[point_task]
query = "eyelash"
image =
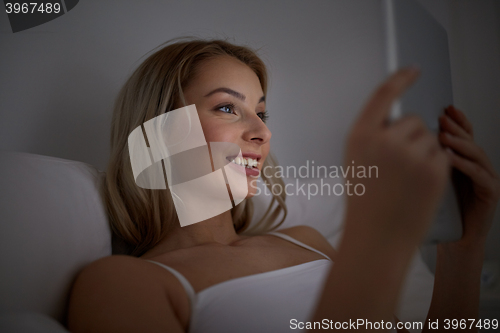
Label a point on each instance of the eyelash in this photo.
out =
(231, 106)
(265, 116)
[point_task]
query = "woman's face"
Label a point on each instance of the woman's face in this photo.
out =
(231, 107)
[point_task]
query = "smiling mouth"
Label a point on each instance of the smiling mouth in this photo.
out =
(247, 162)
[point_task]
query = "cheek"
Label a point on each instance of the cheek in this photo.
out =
(216, 132)
(265, 150)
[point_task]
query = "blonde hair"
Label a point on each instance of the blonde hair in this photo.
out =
(139, 217)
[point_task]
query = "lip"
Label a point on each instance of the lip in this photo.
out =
(249, 155)
(252, 155)
(254, 172)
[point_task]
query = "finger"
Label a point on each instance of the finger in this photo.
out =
(467, 149)
(460, 118)
(473, 170)
(426, 145)
(449, 125)
(427, 148)
(377, 109)
(409, 127)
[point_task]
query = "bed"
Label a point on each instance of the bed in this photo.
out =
(53, 224)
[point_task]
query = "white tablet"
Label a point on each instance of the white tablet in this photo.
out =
(414, 37)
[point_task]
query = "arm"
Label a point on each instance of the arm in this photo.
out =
(456, 286)
(116, 294)
(458, 269)
(383, 227)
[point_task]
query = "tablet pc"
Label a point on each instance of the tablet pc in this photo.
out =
(414, 37)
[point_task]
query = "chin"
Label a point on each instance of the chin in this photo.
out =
(252, 187)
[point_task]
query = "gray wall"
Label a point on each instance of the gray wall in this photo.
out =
(58, 80)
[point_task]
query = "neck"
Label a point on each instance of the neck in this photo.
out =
(216, 230)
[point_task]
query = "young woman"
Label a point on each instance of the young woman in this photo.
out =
(219, 275)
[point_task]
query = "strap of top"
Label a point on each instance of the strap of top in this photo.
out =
(293, 240)
(185, 283)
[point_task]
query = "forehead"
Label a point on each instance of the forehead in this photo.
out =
(225, 71)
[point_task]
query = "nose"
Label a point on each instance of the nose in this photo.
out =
(256, 130)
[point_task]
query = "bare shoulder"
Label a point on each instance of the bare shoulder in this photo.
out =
(312, 237)
(120, 294)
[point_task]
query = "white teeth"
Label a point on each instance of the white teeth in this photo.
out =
(246, 162)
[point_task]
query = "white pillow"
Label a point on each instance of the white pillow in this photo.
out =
(52, 224)
(323, 212)
(29, 322)
(416, 293)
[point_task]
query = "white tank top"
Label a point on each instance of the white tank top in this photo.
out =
(275, 301)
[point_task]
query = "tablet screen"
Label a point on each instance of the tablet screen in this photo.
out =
(414, 37)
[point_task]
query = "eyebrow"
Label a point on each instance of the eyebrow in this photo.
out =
(232, 93)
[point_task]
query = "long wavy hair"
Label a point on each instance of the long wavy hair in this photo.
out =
(139, 217)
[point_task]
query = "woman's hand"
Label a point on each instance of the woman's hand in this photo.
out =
(458, 268)
(384, 225)
(475, 179)
(399, 205)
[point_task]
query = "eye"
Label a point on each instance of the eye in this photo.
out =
(263, 116)
(227, 108)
